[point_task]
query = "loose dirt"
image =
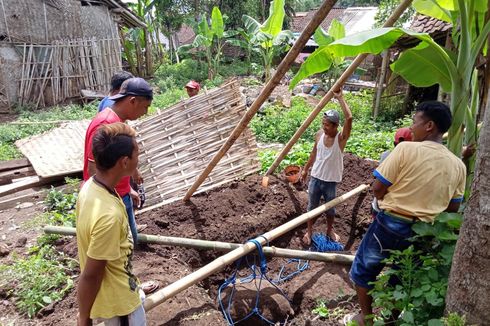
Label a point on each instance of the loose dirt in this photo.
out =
(237, 212)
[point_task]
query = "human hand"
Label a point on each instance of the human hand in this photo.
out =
(136, 198)
(468, 151)
(83, 320)
(137, 177)
(338, 94)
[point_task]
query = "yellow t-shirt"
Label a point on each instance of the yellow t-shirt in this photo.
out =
(423, 178)
(103, 234)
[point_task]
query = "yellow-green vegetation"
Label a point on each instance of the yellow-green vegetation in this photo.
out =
(44, 275)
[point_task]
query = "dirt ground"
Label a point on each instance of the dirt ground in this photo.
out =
(233, 213)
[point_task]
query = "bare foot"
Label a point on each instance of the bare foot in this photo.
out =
(334, 236)
(306, 239)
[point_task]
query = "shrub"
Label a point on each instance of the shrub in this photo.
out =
(422, 271)
(168, 77)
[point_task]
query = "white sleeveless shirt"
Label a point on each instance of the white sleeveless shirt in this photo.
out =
(329, 163)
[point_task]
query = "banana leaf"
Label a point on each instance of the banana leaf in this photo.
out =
(273, 24)
(217, 25)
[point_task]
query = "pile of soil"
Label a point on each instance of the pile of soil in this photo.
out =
(235, 213)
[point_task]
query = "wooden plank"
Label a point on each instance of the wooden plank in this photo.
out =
(14, 164)
(31, 196)
(27, 183)
(7, 176)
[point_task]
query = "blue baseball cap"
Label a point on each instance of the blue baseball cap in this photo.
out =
(134, 86)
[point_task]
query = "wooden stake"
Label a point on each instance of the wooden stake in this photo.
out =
(338, 84)
(221, 246)
(266, 91)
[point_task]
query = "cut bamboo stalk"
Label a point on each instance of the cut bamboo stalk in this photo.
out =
(219, 263)
(338, 84)
(221, 246)
(266, 91)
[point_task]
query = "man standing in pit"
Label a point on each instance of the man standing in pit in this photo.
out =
(327, 160)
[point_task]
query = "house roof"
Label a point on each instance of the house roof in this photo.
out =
(431, 25)
(129, 19)
(185, 35)
(355, 19)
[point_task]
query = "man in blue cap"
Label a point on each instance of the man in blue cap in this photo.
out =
(132, 102)
(327, 160)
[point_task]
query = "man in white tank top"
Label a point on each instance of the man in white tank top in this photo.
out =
(327, 160)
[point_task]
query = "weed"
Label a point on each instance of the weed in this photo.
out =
(324, 312)
(38, 280)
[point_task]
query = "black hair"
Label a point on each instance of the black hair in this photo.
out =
(437, 112)
(110, 143)
(118, 78)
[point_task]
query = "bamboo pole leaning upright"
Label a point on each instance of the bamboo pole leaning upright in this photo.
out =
(220, 262)
(266, 91)
(342, 79)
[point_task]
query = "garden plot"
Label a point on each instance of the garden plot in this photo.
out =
(236, 212)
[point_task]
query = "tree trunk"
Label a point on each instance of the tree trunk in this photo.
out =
(469, 280)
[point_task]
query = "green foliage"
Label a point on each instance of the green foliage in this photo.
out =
(423, 274)
(386, 8)
(324, 312)
(10, 133)
(37, 280)
(278, 124)
(453, 319)
(298, 155)
(61, 204)
(167, 99)
(177, 75)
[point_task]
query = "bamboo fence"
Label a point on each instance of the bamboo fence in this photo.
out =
(177, 142)
(57, 72)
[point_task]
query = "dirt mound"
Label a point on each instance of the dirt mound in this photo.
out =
(235, 213)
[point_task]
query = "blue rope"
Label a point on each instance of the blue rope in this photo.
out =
(257, 272)
(322, 243)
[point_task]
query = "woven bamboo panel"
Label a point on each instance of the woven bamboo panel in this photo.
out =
(176, 144)
(58, 151)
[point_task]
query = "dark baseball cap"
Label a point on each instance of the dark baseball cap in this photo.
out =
(134, 86)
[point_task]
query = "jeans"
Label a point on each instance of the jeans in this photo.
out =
(384, 234)
(318, 188)
(128, 202)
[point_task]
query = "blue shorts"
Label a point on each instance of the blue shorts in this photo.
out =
(384, 234)
(318, 189)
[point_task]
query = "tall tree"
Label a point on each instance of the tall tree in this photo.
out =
(469, 281)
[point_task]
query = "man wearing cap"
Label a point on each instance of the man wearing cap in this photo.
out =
(327, 160)
(130, 103)
(192, 88)
(116, 81)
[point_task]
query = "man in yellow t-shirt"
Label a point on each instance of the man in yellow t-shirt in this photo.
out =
(417, 181)
(107, 288)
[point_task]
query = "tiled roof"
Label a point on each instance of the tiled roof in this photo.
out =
(301, 19)
(426, 24)
(185, 35)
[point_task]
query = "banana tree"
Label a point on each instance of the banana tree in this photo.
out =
(321, 59)
(268, 39)
(209, 37)
(429, 63)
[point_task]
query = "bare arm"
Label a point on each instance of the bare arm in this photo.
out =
(312, 157)
(88, 287)
(347, 128)
(379, 189)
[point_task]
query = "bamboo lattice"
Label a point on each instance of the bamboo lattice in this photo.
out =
(177, 143)
(56, 72)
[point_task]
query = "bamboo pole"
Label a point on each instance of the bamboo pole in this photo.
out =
(338, 84)
(221, 246)
(219, 263)
(266, 91)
